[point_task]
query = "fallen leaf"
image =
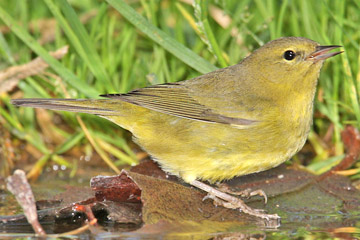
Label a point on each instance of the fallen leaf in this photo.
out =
(171, 201)
(351, 139)
(120, 212)
(273, 182)
(151, 168)
(119, 188)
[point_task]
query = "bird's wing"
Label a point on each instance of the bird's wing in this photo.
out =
(175, 99)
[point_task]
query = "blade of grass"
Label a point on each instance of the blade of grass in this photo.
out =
(10, 118)
(69, 143)
(80, 39)
(124, 159)
(36, 86)
(38, 167)
(266, 9)
(97, 148)
(323, 166)
(19, 131)
(280, 21)
(188, 17)
(61, 161)
(352, 87)
(67, 75)
(4, 47)
(161, 38)
(201, 11)
(338, 20)
(118, 141)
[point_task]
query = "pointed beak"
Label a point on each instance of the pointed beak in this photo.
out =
(322, 53)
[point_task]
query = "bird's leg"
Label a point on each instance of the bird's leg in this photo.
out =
(228, 201)
(247, 193)
(219, 202)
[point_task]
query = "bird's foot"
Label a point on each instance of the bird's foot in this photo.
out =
(239, 204)
(226, 200)
(247, 193)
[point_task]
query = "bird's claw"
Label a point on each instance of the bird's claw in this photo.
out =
(241, 206)
(222, 198)
(247, 193)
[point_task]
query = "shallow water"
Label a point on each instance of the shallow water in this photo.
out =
(297, 225)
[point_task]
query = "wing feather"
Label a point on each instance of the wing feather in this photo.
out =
(174, 99)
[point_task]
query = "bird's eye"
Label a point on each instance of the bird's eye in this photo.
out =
(289, 55)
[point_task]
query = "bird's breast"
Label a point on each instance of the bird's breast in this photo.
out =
(298, 124)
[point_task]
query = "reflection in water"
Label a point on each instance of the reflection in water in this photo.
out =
(295, 224)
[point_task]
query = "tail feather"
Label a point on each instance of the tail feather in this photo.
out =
(103, 107)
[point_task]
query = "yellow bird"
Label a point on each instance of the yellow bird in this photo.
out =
(234, 121)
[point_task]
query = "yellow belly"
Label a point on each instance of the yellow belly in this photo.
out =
(209, 151)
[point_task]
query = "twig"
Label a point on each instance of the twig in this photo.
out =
(18, 185)
(10, 77)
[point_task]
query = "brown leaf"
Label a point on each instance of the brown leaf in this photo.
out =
(73, 195)
(120, 212)
(119, 188)
(167, 200)
(351, 139)
(293, 191)
(342, 188)
(276, 181)
(151, 168)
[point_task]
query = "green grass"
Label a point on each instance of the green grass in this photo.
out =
(126, 46)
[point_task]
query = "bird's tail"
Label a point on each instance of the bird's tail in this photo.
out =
(104, 107)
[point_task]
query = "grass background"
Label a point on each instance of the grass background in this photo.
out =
(116, 46)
